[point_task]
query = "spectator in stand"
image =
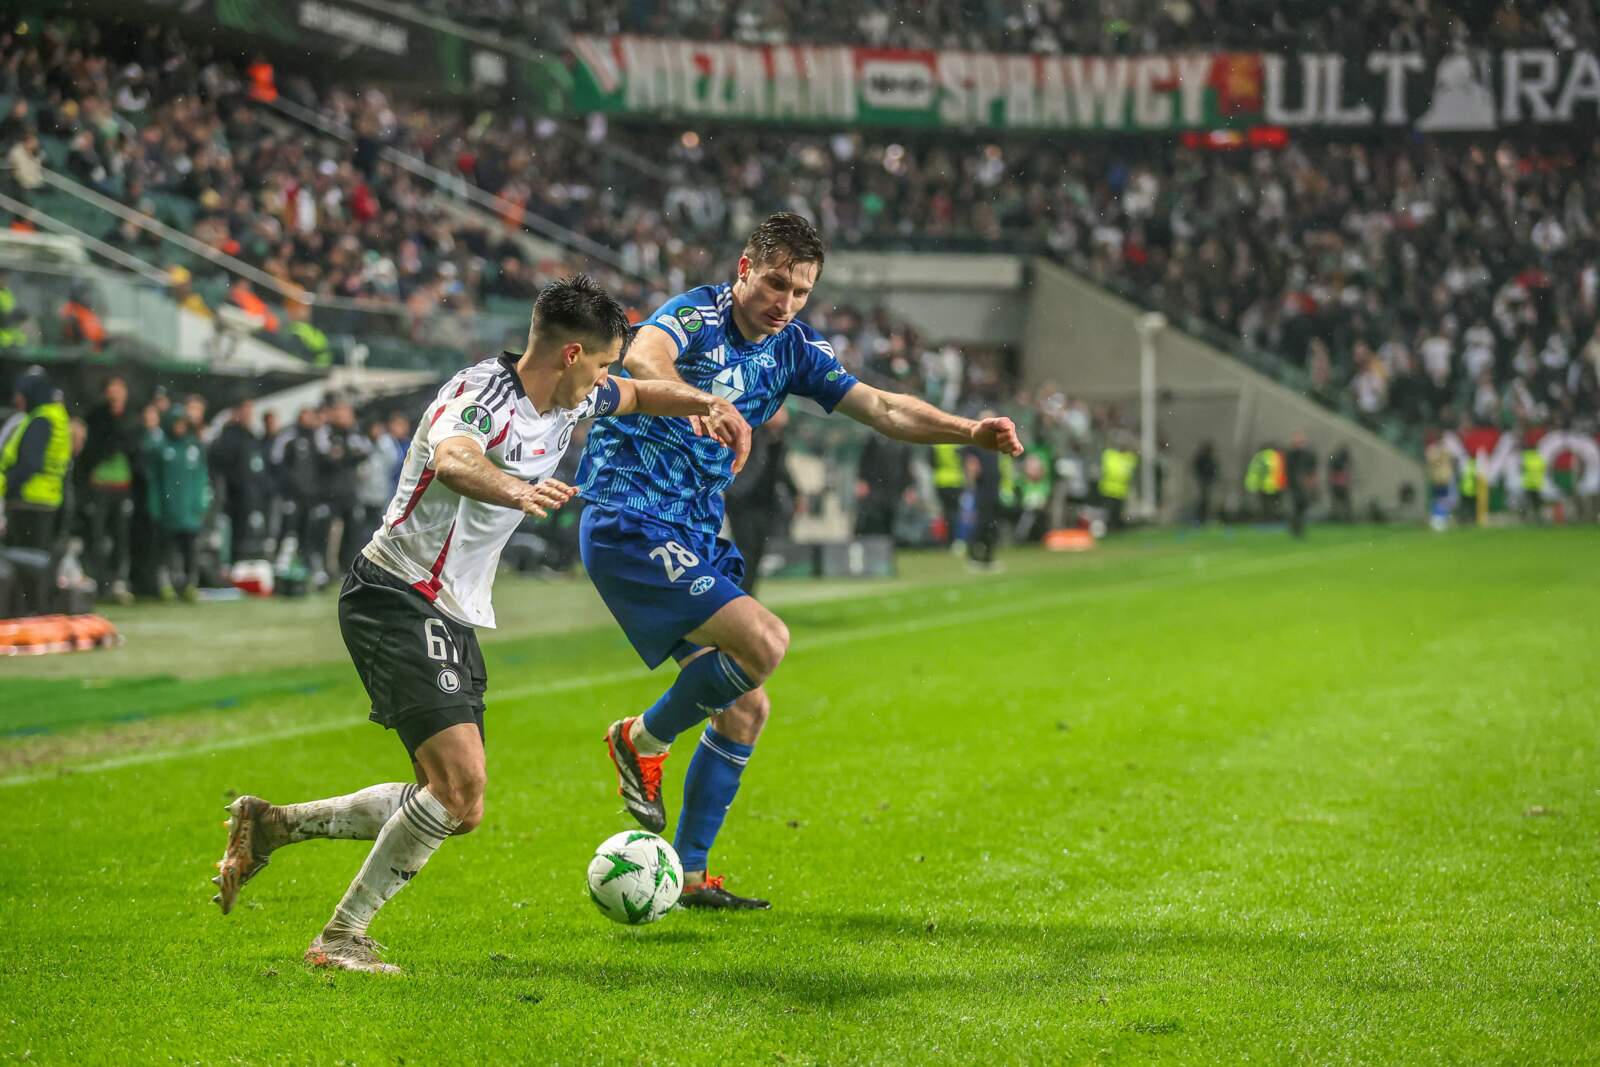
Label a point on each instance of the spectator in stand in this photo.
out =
(79, 323)
(255, 310)
(105, 474)
(26, 161)
(181, 287)
(16, 126)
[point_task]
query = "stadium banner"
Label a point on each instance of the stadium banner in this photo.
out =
(1571, 458)
(1458, 92)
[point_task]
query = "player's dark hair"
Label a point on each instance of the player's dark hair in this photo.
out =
(785, 239)
(578, 307)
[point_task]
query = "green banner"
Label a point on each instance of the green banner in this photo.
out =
(866, 86)
(1459, 91)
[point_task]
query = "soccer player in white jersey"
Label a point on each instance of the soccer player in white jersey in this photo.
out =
(481, 458)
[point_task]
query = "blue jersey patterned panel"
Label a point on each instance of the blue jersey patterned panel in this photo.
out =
(656, 465)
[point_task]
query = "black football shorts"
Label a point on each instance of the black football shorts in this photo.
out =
(423, 670)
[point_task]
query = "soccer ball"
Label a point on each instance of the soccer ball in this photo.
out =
(635, 877)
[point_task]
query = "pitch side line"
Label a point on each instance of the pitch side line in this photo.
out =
(562, 685)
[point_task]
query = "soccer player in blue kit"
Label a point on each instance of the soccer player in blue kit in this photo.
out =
(650, 534)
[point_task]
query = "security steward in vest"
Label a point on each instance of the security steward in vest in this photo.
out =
(1533, 475)
(949, 482)
(1467, 483)
(33, 464)
(1116, 478)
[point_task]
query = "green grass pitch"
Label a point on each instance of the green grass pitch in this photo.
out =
(1215, 799)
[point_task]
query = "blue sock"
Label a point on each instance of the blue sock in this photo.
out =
(706, 686)
(708, 790)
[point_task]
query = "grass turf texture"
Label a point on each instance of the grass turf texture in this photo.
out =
(1210, 800)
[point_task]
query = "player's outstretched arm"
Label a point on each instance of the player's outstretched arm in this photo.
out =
(907, 418)
(462, 466)
(712, 416)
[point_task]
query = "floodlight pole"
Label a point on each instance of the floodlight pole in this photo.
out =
(1149, 327)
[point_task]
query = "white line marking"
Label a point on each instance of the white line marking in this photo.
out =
(1243, 568)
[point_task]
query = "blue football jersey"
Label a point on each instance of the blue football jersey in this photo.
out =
(656, 464)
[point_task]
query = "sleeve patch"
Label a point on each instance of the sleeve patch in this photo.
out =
(475, 417)
(672, 326)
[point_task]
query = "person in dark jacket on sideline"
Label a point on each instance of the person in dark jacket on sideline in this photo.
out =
(755, 500)
(1206, 470)
(298, 475)
(239, 460)
(882, 479)
(341, 448)
(105, 474)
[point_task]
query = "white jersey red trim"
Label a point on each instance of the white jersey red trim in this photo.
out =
(448, 546)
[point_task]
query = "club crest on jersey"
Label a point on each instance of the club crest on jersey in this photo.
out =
(766, 361)
(691, 319)
(701, 585)
(449, 681)
(474, 417)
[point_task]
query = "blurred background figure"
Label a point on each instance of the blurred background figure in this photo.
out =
(762, 497)
(34, 459)
(1205, 471)
(1300, 474)
(240, 464)
(1118, 464)
(105, 476)
(983, 470)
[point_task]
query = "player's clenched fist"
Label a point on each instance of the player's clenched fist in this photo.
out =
(540, 498)
(998, 434)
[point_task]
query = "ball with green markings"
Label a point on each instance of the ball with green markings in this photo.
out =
(635, 877)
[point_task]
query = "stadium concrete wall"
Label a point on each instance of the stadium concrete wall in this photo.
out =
(1081, 336)
(950, 297)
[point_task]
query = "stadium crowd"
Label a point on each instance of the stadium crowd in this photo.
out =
(1044, 26)
(1403, 279)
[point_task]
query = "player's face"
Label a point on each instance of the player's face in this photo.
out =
(769, 296)
(588, 369)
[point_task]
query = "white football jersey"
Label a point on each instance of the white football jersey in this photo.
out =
(446, 545)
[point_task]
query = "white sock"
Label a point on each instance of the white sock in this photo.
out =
(354, 816)
(404, 844)
(645, 742)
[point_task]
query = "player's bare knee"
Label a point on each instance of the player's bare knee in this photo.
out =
(744, 719)
(765, 648)
(754, 707)
(461, 793)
